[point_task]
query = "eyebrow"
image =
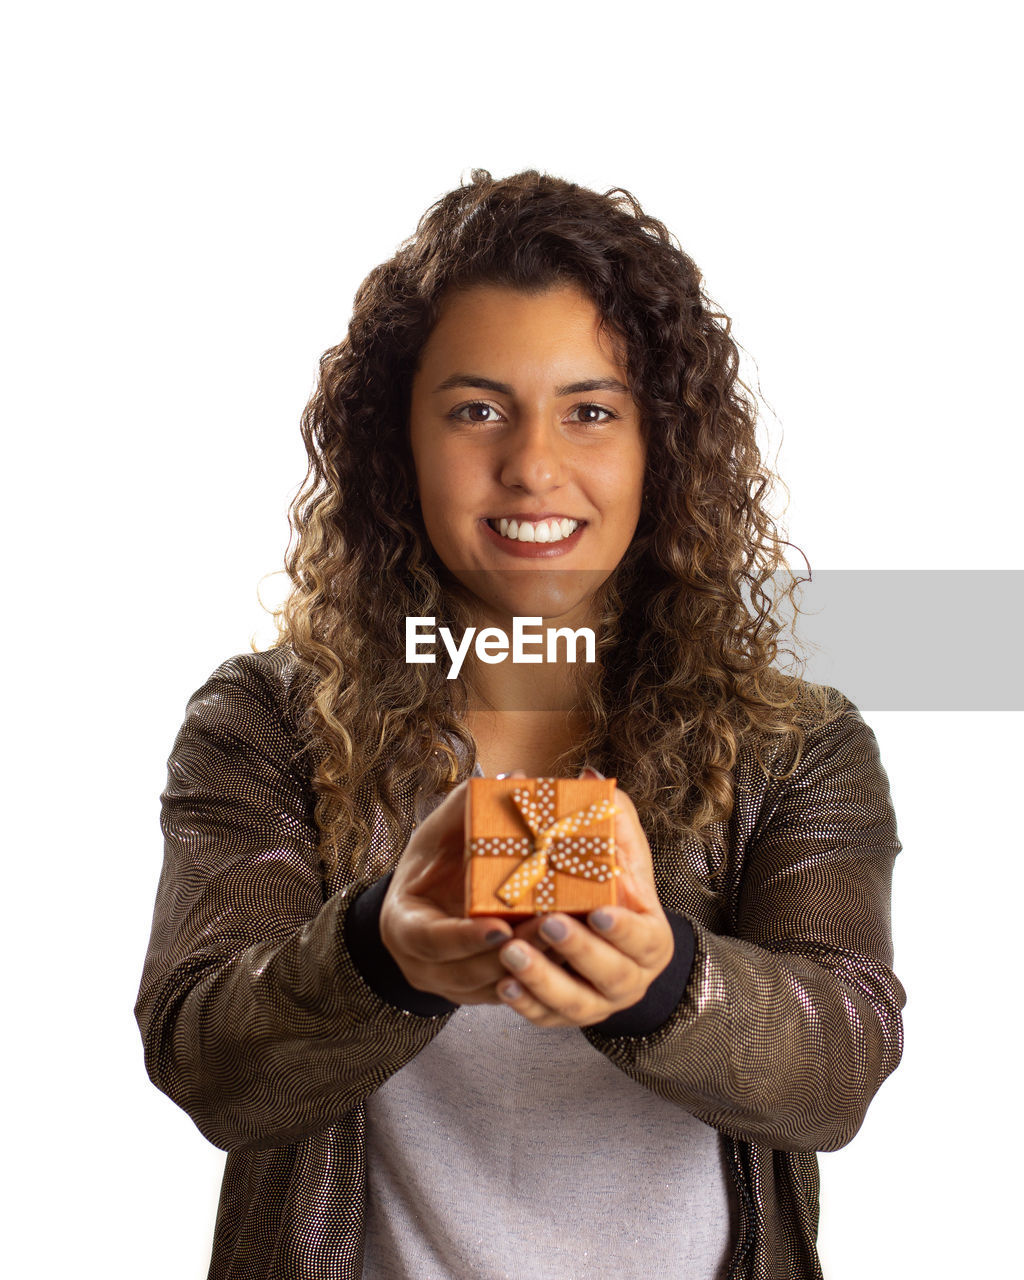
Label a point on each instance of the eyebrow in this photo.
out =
(503, 389)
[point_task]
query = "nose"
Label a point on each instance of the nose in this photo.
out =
(533, 459)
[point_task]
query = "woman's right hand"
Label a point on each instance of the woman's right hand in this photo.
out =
(436, 947)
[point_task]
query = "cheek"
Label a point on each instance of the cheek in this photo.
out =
(622, 483)
(438, 484)
(455, 474)
(418, 460)
(430, 471)
(445, 494)
(639, 473)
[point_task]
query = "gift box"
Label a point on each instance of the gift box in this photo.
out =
(539, 844)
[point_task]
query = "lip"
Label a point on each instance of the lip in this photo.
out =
(533, 517)
(532, 550)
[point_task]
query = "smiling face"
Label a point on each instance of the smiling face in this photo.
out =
(528, 450)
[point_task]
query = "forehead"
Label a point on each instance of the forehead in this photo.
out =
(551, 329)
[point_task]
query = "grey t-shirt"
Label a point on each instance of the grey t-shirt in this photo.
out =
(506, 1151)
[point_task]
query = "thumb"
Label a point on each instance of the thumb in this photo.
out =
(445, 825)
(633, 855)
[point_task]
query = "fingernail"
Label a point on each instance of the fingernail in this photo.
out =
(590, 771)
(510, 990)
(601, 919)
(515, 957)
(495, 937)
(555, 930)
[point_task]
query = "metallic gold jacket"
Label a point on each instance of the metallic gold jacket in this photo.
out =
(257, 1022)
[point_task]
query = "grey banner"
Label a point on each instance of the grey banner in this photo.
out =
(890, 639)
(916, 639)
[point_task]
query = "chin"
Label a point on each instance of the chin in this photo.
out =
(553, 594)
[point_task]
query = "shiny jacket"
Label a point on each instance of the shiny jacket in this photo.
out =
(256, 1020)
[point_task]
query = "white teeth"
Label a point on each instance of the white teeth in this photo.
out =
(536, 531)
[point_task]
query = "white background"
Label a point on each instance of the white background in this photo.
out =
(194, 192)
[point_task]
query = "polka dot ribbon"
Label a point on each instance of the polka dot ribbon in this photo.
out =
(557, 845)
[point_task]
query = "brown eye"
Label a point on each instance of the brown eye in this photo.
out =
(477, 411)
(593, 414)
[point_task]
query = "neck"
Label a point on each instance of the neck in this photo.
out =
(516, 686)
(526, 714)
(524, 717)
(541, 672)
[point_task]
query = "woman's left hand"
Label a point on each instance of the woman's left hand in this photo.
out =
(615, 954)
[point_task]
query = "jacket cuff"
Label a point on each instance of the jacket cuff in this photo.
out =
(663, 995)
(375, 962)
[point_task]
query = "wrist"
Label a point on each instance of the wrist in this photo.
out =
(665, 992)
(373, 958)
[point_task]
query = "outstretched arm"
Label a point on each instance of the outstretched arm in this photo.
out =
(254, 1017)
(787, 1026)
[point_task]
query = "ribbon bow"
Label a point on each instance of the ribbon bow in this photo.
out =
(580, 857)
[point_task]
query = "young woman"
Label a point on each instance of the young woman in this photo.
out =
(536, 413)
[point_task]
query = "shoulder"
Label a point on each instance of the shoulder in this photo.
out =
(816, 719)
(274, 678)
(831, 766)
(271, 673)
(255, 699)
(834, 730)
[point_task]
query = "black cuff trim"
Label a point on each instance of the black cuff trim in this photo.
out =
(663, 995)
(376, 963)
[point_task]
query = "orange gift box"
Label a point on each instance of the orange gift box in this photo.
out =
(539, 844)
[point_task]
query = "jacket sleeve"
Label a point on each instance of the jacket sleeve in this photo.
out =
(791, 1021)
(253, 1016)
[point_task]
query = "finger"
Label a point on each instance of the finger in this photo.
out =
(631, 844)
(470, 980)
(529, 931)
(613, 974)
(466, 981)
(445, 824)
(646, 939)
(635, 884)
(486, 994)
(517, 997)
(564, 994)
(432, 935)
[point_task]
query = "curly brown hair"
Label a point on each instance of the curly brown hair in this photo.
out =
(690, 620)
